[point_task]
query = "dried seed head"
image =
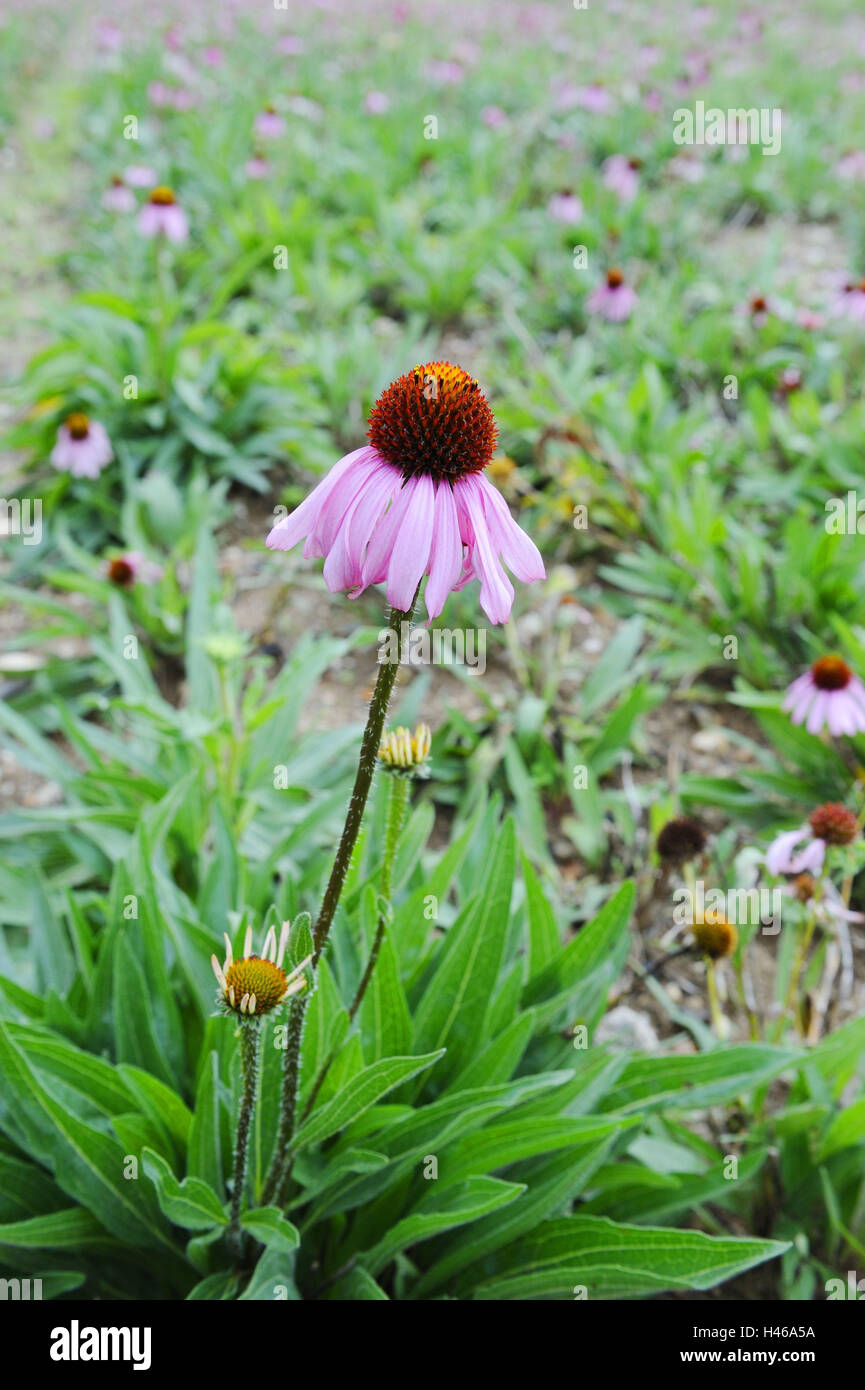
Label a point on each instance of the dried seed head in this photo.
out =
(121, 573)
(434, 420)
(833, 823)
(681, 839)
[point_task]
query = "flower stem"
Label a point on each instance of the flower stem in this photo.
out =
(396, 809)
(249, 1071)
(280, 1172)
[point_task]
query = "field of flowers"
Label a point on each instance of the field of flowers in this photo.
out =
(432, 650)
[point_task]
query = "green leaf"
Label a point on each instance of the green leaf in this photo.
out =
(360, 1093)
(456, 999)
(271, 1228)
(73, 1228)
(616, 1261)
(444, 1209)
(191, 1203)
(707, 1078)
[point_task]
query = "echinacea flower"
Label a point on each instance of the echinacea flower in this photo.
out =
(621, 176)
(414, 501)
(139, 176)
(715, 935)
(614, 300)
(255, 985)
(494, 117)
(257, 167)
(269, 124)
(130, 568)
(851, 165)
(565, 206)
(681, 839)
(376, 103)
(828, 696)
(404, 753)
(759, 308)
(803, 851)
(117, 197)
(849, 301)
(162, 216)
(82, 448)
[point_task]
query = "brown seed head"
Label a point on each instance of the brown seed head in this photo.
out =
(434, 420)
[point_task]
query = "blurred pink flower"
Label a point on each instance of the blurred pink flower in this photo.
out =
(132, 568)
(257, 167)
(565, 206)
(614, 300)
(118, 198)
(851, 165)
(796, 852)
(82, 448)
(291, 44)
(621, 176)
(162, 216)
(849, 301)
(806, 318)
(213, 56)
(269, 124)
(828, 696)
(414, 501)
(445, 74)
(494, 117)
(140, 176)
(109, 37)
(376, 103)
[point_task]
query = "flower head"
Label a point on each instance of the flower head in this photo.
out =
(257, 167)
(83, 447)
(614, 300)
(118, 197)
(622, 177)
(162, 216)
(414, 502)
(125, 570)
(565, 206)
(828, 696)
(715, 936)
(803, 851)
(269, 124)
(404, 753)
(681, 839)
(255, 985)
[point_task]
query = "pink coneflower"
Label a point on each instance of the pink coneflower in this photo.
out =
(594, 98)
(291, 44)
(257, 167)
(445, 74)
(269, 124)
(851, 165)
(849, 302)
(494, 117)
(109, 37)
(759, 308)
(213, 56)
(789, 381)
(160, 94)
(376, 103)
(132, 568)
(803, 850)
(806, 318)
(614, 300)
(414, 501)
(118, 198)
(652, 100)
(565, 206)
(828, 696)
(140, 176)
(621, 176)
(83, 447)
(161, 216)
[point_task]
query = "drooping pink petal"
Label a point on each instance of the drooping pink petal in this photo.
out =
(446, 553)
(410, 552)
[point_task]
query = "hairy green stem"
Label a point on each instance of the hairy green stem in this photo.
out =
(278, 1177)
(249, 1072)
